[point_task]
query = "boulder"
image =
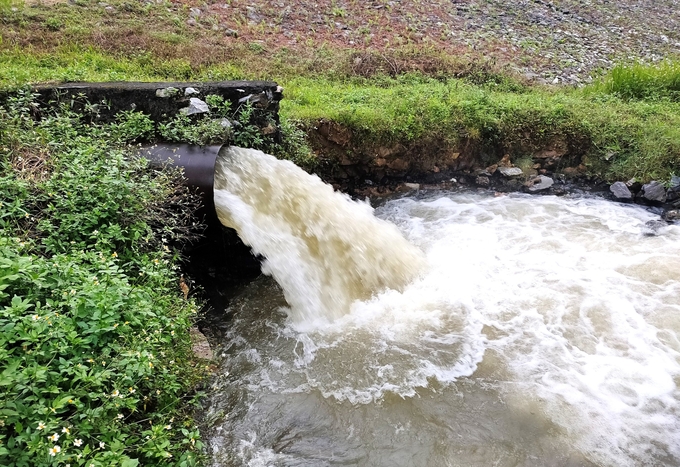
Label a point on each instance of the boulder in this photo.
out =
(539, 183)
(620, 191)
(673, 192)
(482, 180)
(196, 106)
(510, 171)
(672, 216)
(654, 192)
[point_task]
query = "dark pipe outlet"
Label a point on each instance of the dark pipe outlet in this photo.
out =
(198, 162)
(219, 262)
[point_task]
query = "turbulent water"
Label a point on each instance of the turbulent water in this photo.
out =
(325, 250)
(540, 331)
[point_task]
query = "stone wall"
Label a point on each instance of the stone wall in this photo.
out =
(161, 101)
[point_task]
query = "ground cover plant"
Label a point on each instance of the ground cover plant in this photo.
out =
(95, 354)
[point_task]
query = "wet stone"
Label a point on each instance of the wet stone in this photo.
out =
(539, 183)
(654, 192)
(620, 191)
(510, 171)
(672, 216)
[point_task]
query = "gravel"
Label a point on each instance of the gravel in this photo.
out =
(549, 42)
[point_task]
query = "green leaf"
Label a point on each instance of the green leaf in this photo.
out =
(129, 463)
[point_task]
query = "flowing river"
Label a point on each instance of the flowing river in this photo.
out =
(451, 329)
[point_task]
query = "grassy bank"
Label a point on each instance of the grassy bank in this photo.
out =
(96, 366)
(625, 125)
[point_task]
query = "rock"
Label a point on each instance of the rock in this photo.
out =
(269, 130)
(510, 171)
(194, 12)
(199, 345)
(621, 191)
(675, 183)
(673, 191)
(226, 123)
(196, 106)
(399, 165)
(672, 216)
(191, 91)
(482, 180)
(505, 161)
(654, 192)
(231, 32)
(539, 183)
(166, 92)
(412, 186)
(653, 227)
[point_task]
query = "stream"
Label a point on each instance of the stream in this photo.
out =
(475, 330)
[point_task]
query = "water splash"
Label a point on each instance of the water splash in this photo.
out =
(325, 250)
(543, 331)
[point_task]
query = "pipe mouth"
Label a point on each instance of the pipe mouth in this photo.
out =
(198, 162)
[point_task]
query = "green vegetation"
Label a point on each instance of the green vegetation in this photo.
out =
(95, 360)
(625, 125)
(620, 139)
(638, 81)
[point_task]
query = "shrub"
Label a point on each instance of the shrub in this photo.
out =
(95, 358)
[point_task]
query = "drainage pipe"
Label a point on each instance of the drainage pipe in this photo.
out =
(198, 163)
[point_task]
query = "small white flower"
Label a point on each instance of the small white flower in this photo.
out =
(102, 444)
(53, 438)
(65, 430)
(168, 427)
(78, 442)
(36, 317)
(55, 450)
(41, 426)
(115, 393)
(119, 416)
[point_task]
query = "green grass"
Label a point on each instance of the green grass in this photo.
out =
(619, 139)
(641, 81)
(620, 133)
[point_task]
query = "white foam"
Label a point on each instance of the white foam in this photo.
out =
(564, 304)
(324, 249)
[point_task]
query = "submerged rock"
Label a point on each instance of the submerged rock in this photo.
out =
(620, 191)
(653, 227)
